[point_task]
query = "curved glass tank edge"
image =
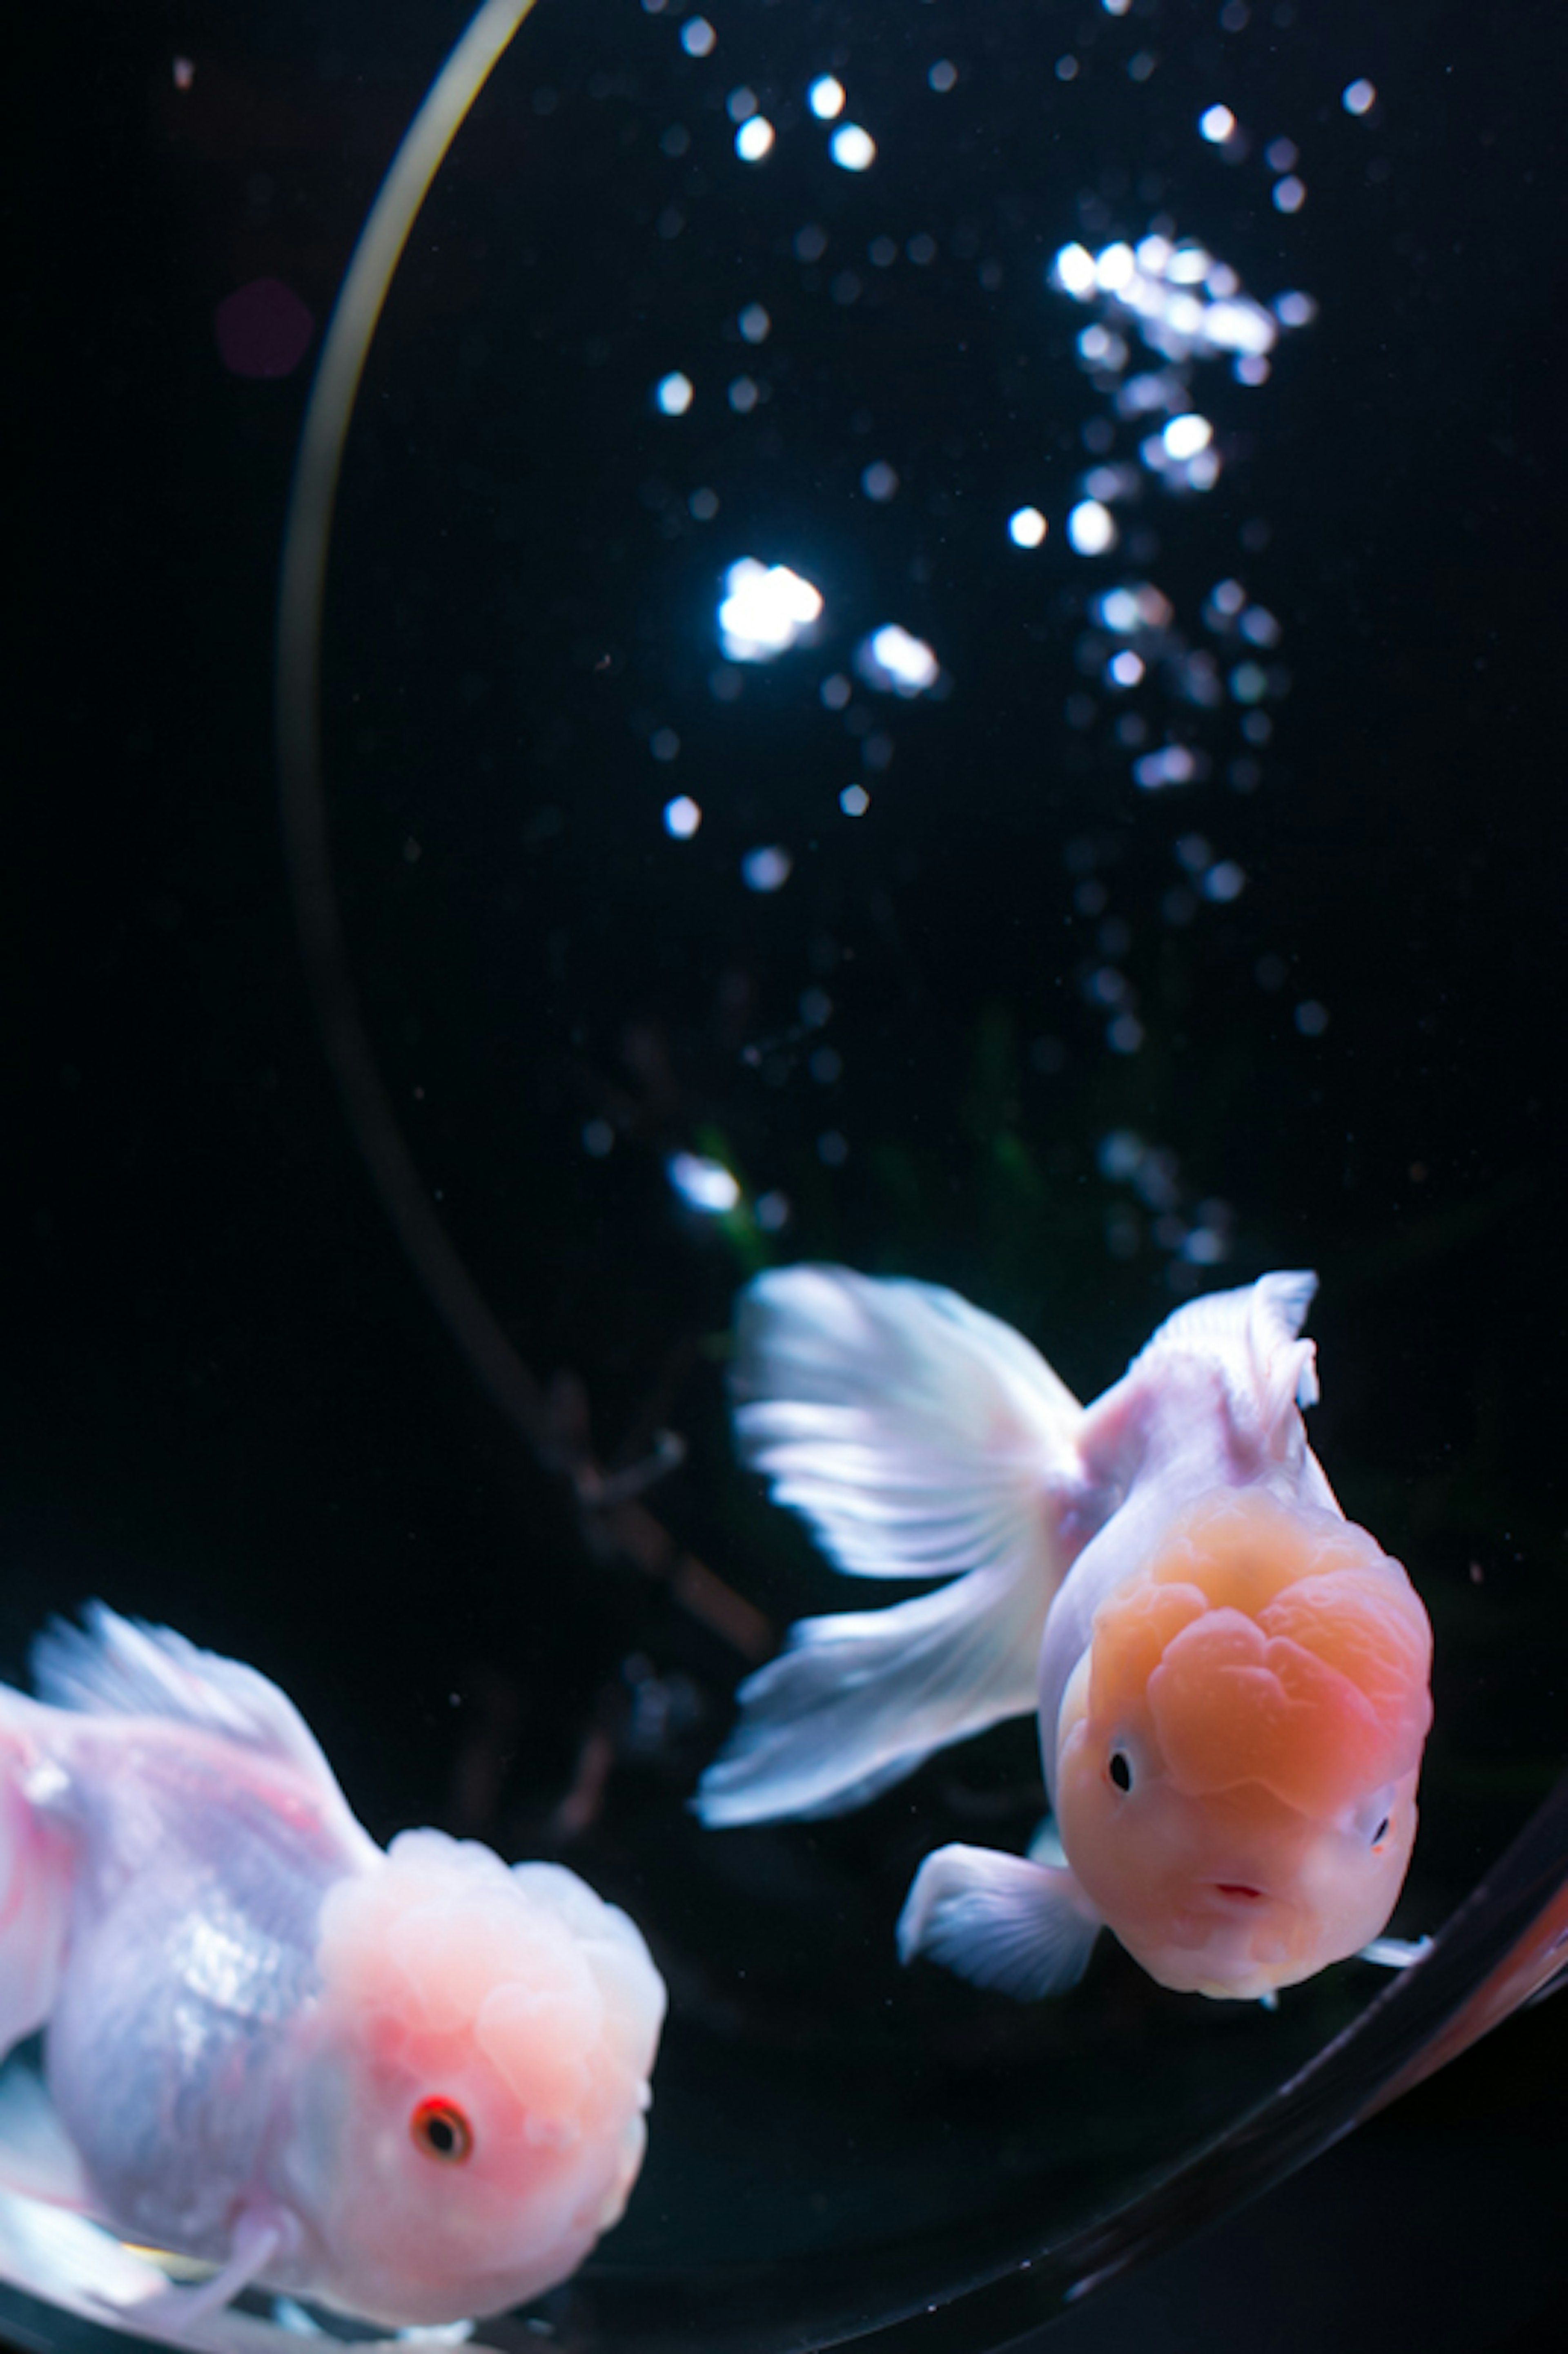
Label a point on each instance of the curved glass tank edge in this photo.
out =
(666, 1091)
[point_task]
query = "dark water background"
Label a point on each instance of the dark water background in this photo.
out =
(228, 1404)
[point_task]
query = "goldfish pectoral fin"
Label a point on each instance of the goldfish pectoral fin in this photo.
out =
(1046, 1848)
(37, 2156)
(857, 1701)
(289, 2314)
(173, 2313)
(1395, 1953)
(1026, 1929)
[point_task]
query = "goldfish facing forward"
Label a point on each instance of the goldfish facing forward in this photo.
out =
(407, 2084)
(1232, 1679)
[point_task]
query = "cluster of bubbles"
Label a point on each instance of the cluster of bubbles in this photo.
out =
(1188, 698)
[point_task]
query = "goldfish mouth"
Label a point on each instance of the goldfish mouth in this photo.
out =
(1238, 1889)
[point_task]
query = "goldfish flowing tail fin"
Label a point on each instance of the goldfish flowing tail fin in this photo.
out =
(36, 1869)
(920, 1438)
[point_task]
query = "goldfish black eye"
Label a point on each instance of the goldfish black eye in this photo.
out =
(1120, 1769)
(1381, 1833)
(440, 2130)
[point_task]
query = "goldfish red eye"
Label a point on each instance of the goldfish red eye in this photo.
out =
(442, 2132)
(1120, 1769)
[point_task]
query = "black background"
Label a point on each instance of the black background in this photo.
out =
(227, 1403)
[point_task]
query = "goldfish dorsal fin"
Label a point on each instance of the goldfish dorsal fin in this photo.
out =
(111, 1666)
(1254, 1335)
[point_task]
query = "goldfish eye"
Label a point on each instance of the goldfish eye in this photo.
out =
(440, 2130)
(1381, 1833)
(1120, 1769)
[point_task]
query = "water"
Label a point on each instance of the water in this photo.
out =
(1193, 911)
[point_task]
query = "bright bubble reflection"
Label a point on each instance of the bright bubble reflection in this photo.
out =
(891, 658)
(767, 611)
(826, 97)
(1155, 287)
(1026, 527)
(1185, 436)
(767, 869)
(703, 1184)
(1091, 528)
(1359, 97)
(681, 817)
(853, 149)
(672, 394)
(754, 139)
(698, 38)
(1217, 124)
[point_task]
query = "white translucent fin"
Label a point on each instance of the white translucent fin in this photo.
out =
(1025, 1929)
(37, 1867)
(856, 1702)
(1252, 1334)
(81, 2269)
(1045, 1847)
(1395, 1953)
(37, 2156)
(111, 1666)
(177, 2313)
(919, 1437)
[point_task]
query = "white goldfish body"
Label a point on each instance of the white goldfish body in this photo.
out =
(1231, 1677)
(408, 2084)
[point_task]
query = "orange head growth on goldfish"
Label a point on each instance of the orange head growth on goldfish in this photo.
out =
(1239, 1747)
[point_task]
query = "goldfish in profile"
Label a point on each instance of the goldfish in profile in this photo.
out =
(407, 2084)
(1232, 1679)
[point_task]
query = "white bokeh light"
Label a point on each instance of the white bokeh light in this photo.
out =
(767, 608)
(703, 1184)
(1074, 271)
(672, 394)
(1216, 124)
(1359, 97)
(1172, 764)
(1186, 435)
(826, 97)
(1185, 303)
(698, 38)
(853, 149)
(1026, 527)
(754, 139)
(891, 658)
(682, 818)
(766, 869)
(1091, 528)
